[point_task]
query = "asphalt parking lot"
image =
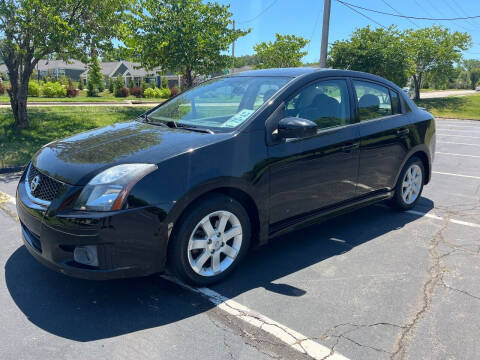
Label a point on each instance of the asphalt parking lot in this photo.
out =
(373, 284)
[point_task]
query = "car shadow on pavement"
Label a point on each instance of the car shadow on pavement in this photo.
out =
(85, 310)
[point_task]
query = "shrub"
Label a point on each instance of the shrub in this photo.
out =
(164, 82)
(149, 93)
(137, 92)
(2, 89)
(121, 92)
(71, 91)
(111, 87)
(118, 84)
(165, 93)
(131, 84)
(174, 91)
(80, 85)
(54, 89)
(92, 90)
(33, 88)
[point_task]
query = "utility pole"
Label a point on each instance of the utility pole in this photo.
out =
(233, 49)
(326, 25)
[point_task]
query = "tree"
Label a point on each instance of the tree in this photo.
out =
(470, 64)
(183, 36)
(433, 50)
(246, 60)
(474, 77)
(377, 51)
(31, 30)
(285, 51)
(95, 81)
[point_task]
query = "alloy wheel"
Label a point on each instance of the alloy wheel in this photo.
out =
(412, 184)
(214, 243)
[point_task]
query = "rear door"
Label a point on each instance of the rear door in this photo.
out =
(384, 130)
(316, 172)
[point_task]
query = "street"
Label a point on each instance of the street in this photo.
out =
(372, 284)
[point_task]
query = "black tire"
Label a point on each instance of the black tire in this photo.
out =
(398, 202)
(178, 253)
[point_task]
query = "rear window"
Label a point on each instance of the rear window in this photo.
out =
(373, 100)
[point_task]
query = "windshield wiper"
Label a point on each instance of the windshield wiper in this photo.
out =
(148, 120)
(192, 128)
(175, 124)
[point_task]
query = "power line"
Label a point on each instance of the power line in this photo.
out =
(473, 22)
(358, 12)
(453, 9)
(407, 17)
(259, 14)
(391, 7)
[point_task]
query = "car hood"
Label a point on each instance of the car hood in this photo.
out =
(75, 160)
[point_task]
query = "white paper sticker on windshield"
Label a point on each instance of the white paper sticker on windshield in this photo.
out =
(238, 118)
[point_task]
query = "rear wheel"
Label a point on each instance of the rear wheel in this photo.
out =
(410, 185)
(212, 238)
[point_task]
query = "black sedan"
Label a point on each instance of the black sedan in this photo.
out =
(194, 183)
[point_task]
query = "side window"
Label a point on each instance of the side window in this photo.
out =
(373, 100)
(265, 92)
(325, 102)
(396, 109)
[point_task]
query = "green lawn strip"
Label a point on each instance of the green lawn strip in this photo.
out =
(103, 97)
(459, 107)
(52, 123)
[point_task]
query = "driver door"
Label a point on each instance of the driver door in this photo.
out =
(313, 173)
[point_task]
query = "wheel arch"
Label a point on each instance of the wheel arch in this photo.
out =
(424, 155)
(238, 193)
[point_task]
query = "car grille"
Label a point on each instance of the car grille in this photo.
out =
(47, 188)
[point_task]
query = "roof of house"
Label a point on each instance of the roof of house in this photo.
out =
(132, 68)
(46, 65)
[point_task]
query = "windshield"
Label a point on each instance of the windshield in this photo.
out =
(219, 103)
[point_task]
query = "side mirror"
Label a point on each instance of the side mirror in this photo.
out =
(292, 127)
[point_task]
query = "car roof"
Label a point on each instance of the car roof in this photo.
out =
(322, 72)
(299, 71)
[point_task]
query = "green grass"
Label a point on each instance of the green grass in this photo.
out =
(82, 97)
(460, 107)
(47, 124)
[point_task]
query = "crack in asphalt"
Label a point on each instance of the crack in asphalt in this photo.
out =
(435, 273)
(464, 292)
(328, 334)
(252, 338)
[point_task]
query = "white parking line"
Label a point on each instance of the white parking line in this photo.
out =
(291, 337)
(453, 154)
(462, 136)
(460, 175)
(449, 142)
(432, 216)
(446, 126)
(460, 131)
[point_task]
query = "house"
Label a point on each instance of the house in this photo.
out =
(56, 68)
(133, 71)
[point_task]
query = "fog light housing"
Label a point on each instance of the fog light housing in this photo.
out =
(86, 255)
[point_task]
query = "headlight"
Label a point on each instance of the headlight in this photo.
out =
(108, 190)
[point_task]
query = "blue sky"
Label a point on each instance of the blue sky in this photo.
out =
(304, 18)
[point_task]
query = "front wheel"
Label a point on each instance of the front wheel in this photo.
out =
(410, 185)
(210, 240)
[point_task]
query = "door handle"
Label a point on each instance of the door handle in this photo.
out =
(350, 147)
(402, 132)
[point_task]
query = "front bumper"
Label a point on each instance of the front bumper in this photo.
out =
(129, 243)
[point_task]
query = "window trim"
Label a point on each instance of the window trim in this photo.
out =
(357, 109)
